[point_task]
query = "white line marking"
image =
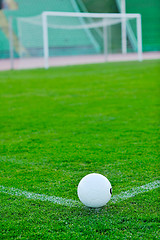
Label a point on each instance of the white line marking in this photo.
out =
(72, 203)
(35, 196)
(135, 191)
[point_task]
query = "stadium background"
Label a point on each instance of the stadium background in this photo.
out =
(22, 8)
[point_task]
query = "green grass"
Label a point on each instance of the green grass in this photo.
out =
(58, 125)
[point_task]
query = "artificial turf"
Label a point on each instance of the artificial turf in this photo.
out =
(60, 124)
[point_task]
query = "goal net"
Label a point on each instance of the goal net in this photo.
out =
(61, 38)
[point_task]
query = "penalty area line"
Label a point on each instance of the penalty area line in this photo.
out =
(72, 203)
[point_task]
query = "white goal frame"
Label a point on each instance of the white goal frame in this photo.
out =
(90, 15)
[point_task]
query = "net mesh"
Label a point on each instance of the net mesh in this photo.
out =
(68, 36)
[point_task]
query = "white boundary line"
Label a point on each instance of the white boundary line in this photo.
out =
(72, 203)
(135, 191)
(36, 196)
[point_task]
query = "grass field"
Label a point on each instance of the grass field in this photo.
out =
(58, 125)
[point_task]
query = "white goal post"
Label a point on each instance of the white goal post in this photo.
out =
(106, 17)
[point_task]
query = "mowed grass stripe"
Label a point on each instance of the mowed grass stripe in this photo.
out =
(72, 203)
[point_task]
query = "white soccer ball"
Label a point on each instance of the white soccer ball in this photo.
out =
(94, 190)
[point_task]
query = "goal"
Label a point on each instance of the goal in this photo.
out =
(62, 36)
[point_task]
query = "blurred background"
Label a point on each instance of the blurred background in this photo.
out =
(21, 33)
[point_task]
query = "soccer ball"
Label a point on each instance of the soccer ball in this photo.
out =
(94, 190)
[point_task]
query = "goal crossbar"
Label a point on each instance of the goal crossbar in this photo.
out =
(92, 15)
